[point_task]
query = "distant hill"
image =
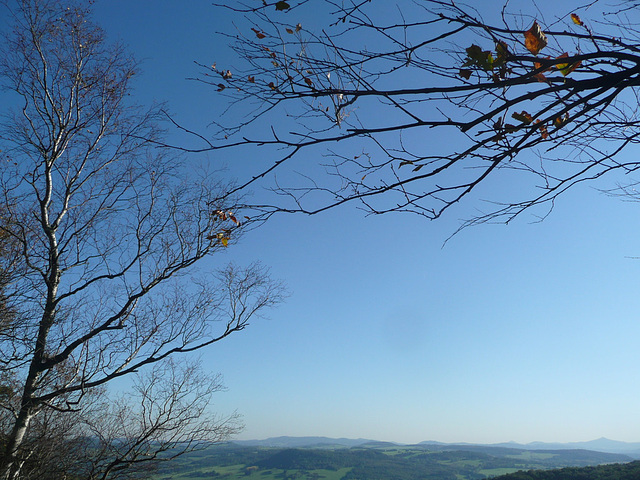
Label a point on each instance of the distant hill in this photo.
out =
(600, 445)
(303, 442)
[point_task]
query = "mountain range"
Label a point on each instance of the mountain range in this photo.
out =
(600, 445)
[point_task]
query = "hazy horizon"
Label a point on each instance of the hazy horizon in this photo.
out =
(241, 437)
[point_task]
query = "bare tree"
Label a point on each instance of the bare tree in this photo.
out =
(163, 416)
(415, 106)
(108, 235)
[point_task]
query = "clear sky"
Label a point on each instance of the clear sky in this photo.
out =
(527, 332)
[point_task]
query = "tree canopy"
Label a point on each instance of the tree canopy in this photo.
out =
(416, 106)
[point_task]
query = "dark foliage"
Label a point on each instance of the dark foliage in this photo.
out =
(618, 471)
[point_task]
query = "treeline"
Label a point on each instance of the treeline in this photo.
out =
(618, 471)
(364, 464)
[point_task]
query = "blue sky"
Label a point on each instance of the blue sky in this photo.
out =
(523, 332)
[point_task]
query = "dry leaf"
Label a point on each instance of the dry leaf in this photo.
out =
(576, 20)
(465, 73)
(566, 68)
(258, 33)
(523, 117)
(558, 122)
(544, 133)
(535, 39)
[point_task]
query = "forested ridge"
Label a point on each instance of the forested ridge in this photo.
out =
(618, 471)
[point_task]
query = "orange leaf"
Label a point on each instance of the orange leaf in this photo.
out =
(576, 20)
(538, 65)
(535, 39)
(252, 79)
(560, 121)
(272, 86)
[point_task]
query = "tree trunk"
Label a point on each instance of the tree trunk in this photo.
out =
(10, 466)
